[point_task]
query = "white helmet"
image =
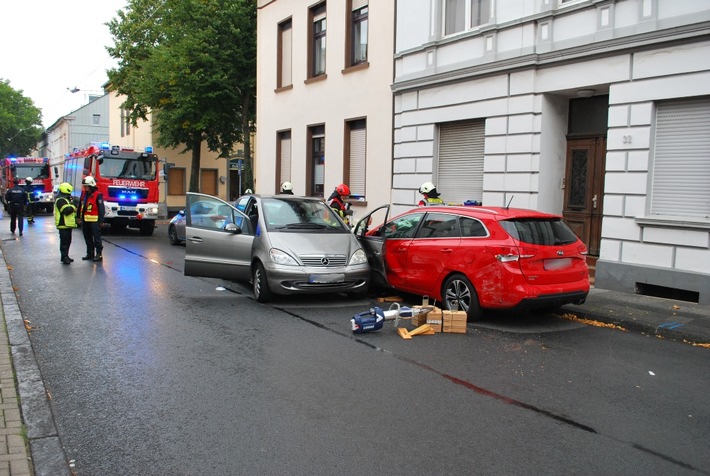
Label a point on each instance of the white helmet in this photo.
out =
(427, 187)
(287, 187)
(89, 180)
(28, 180)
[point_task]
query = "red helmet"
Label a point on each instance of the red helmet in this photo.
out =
(342, 189)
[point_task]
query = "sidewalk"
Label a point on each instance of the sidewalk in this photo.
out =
(29, 442)
(26, 420)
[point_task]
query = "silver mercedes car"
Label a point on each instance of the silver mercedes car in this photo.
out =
(283, 244)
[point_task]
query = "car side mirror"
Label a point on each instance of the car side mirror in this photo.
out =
(232, 228)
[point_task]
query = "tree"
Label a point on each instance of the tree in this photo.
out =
(20, 122)
(192, 64)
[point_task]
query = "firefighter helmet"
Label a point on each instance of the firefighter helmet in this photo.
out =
(286, 187)
(427, 187)
(342, 189)
(65, 187)
(28, 180)
(89, 180)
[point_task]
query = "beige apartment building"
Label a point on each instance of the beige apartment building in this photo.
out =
(324, 103)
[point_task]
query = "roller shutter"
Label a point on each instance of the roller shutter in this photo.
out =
(358, 156)
(681, 163)
(460, 168)
(285, 150)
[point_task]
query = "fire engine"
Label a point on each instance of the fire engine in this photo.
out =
(127, 179)
(22, 167)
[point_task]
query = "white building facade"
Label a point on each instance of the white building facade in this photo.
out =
(324, 99)
(76, 131)
(598, 110)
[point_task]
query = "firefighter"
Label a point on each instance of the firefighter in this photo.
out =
(90, 217)
(431, 196)
(65, 220)
(16, 199)
(30, 200)
(287, 188)
(336, 201)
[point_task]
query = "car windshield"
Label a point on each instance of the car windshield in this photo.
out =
(294, 214)
(539, 231)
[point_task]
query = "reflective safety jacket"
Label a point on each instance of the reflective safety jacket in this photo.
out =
(430, 201)
(64, 212)
(91, 206)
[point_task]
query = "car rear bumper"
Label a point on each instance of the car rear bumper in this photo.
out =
(554, 300)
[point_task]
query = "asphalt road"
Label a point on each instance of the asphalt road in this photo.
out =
(154, 373)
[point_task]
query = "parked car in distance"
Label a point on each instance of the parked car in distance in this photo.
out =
(474, 258)
(176, 229)
(283, 244)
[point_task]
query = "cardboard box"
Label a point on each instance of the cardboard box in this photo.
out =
(434, 319)
(454, 321)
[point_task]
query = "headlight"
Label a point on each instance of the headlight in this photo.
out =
(280, 257)
(153, 210)
(358, 257)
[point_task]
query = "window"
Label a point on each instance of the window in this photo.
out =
(284, 55)
(356, 156)
(403, 227)
(97, 119)
(176, 181)
(208, 181)
(460, 161)
(283, 152)
(472, 227)
(439, 225)
(462, 15)
(358, 32)
(316, 164)
(680, 164)
(125, 123)
(317, 40)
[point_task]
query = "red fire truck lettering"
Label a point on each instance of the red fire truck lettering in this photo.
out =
(129, 183)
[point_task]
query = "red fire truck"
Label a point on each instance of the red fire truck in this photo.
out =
(128, 180)
(22, 167)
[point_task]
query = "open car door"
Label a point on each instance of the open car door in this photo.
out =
(218, 239)
(370, 233)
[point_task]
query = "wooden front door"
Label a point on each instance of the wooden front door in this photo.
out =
(584, 189)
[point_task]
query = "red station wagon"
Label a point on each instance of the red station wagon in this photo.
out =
(477, 258)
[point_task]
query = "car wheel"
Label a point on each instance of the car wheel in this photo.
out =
(172, 234)
(262, 293)
(459, 294)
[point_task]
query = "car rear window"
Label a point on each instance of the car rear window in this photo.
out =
(539, 231)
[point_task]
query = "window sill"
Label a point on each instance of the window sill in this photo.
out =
(315, 79)
(283, 88)
(357, 67)
(669, 221)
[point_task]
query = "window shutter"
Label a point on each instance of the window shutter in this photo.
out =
(460, 168)
(358, 156)
(286, 41)
(681, 164)
(285, 147)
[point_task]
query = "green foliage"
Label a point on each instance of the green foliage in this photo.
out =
(192, 63)
(20, 122)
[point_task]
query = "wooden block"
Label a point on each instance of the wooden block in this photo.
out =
(434, 319)
(403, 333)
(425, 329)
(389, 299)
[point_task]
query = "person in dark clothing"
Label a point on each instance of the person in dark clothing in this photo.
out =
(65, 220)
(90, 217)
(16, 199)
(30, 200)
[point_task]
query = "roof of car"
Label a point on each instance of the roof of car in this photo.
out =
(500, 213)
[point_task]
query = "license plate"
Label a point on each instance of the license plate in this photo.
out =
(554, 264)
(326, 278)
(127, 209)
